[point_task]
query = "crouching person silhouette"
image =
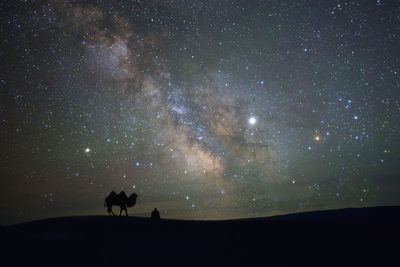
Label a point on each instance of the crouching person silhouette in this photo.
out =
(155, 214)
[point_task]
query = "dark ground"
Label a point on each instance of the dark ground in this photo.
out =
(347, 237)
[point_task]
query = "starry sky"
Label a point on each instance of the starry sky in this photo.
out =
(205, 109)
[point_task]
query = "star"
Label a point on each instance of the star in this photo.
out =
(252, 120)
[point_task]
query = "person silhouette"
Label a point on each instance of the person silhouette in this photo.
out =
(155, 214)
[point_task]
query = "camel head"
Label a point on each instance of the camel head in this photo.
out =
(132, 200)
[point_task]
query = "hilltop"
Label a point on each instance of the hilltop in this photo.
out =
(344, 237)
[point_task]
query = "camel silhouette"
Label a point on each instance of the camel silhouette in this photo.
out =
(120, 200)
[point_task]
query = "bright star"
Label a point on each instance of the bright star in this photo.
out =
(252, 120)
(87, 150)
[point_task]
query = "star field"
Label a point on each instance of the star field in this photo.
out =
(205, 109)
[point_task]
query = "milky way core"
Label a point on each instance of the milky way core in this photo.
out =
(205, 109)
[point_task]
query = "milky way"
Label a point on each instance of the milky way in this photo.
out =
(205, 109)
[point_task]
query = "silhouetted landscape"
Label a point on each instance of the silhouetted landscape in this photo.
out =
(359, 236)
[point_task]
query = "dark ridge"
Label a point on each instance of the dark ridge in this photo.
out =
(361, 236)
(373, 215)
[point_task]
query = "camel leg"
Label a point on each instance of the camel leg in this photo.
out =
(120, 211)
(109, 210)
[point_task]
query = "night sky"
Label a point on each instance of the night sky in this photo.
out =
(205, 109)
